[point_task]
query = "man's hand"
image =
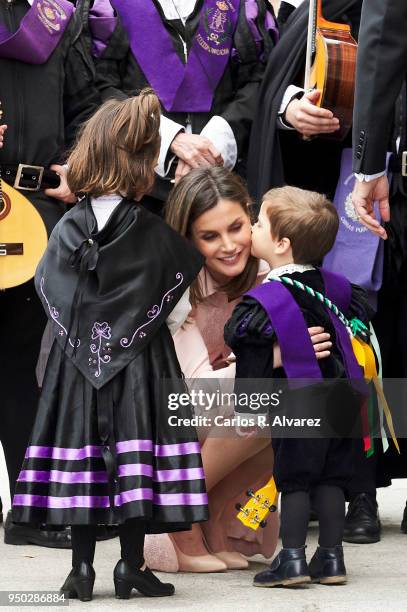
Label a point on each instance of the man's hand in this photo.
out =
(197, 151)
(182, 169)
(309, 119)
(61, 192)
(3, 128)
(365, 194)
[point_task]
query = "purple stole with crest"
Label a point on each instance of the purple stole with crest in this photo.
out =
(39, 33)
(181, 87)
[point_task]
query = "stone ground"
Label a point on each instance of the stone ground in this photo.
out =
(377, 575)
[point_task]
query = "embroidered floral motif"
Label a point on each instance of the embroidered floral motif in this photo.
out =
(152, 314)
(100, 332)
(54, 313)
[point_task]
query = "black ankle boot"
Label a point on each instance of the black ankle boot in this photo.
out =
(287, 569)
(362, 523)
(327, 566)
(403, 526)
(127, 578)
(79, 583)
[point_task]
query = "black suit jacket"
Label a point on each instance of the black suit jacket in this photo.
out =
(381, 67)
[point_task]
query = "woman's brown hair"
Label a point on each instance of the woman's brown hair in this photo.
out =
(117, 148)
(197, 192)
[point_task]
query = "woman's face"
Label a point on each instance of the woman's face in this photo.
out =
(223, 236)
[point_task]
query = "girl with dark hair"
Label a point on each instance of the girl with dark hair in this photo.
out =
(102, 450)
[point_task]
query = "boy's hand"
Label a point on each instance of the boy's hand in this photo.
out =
(309, 119)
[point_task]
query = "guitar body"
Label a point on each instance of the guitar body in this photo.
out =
(333, 71)
(23, 238)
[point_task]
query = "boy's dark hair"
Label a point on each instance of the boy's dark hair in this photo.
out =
(307, 218)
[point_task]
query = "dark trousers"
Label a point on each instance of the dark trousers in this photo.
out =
(22, 323)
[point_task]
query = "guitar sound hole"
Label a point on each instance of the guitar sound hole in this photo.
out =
(5, 206)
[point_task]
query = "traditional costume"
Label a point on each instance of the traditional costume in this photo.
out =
(204, 60)
(102, 450)
(46, 92)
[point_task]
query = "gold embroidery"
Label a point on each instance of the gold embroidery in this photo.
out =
(50, 13)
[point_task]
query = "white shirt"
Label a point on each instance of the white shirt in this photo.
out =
(217, 130)
(103, 207)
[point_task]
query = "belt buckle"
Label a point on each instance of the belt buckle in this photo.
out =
(404, 163)
(21, 168)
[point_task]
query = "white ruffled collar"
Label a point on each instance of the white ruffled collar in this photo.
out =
(289, 269)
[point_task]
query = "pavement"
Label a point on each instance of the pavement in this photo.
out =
(377, 575)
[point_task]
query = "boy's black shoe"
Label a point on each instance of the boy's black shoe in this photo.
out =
(287, 569)
(403, 526)
(327, 566)
(362, 522)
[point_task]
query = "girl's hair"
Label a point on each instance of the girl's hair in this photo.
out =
(307, 218)
(196, 193)
(117, 148)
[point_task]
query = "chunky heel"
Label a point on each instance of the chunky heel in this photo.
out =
(127, 578)
(122, 589)
(79, 583)
(84, 590)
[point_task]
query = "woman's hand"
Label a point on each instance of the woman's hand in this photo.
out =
(62, 192)
(321, 341)
(3, 128)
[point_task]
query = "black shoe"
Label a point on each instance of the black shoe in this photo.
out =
(106, 532)
(362, 522)
(287, 569)
(403, 526)
(327, 566)
(126, 579)
(79, 583)
(41, 536)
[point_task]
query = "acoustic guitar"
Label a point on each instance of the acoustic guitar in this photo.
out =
(331, 67)
(23, 237)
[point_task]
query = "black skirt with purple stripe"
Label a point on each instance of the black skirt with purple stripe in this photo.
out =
(157, 470)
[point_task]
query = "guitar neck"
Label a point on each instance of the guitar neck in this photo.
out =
(315, 11)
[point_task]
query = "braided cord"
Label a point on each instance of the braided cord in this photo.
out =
(355, 325)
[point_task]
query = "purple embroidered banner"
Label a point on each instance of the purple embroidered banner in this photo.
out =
(39, 33)
(357, 253)
(102, 23)
(181, 87)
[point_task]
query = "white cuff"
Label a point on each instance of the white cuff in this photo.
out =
(168, 130)
(219, 132)
(369, 177)
(295, 3)
(291, 92)
(180, 313)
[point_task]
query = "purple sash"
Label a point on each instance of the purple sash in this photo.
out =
(354, 243)
(339, 291)
(297, 351)
(252, 15)
(39, 33)
(102, 23)
(181, 87)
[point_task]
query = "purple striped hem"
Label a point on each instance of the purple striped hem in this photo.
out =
(168, 450)
(67, 454)
(133, 469)
(102, 501)
(181, 474)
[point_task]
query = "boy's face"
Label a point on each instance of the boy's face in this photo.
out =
(262, 241)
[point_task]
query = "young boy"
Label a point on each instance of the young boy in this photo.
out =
(294, 231)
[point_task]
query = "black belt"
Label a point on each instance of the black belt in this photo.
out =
(29, 178)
